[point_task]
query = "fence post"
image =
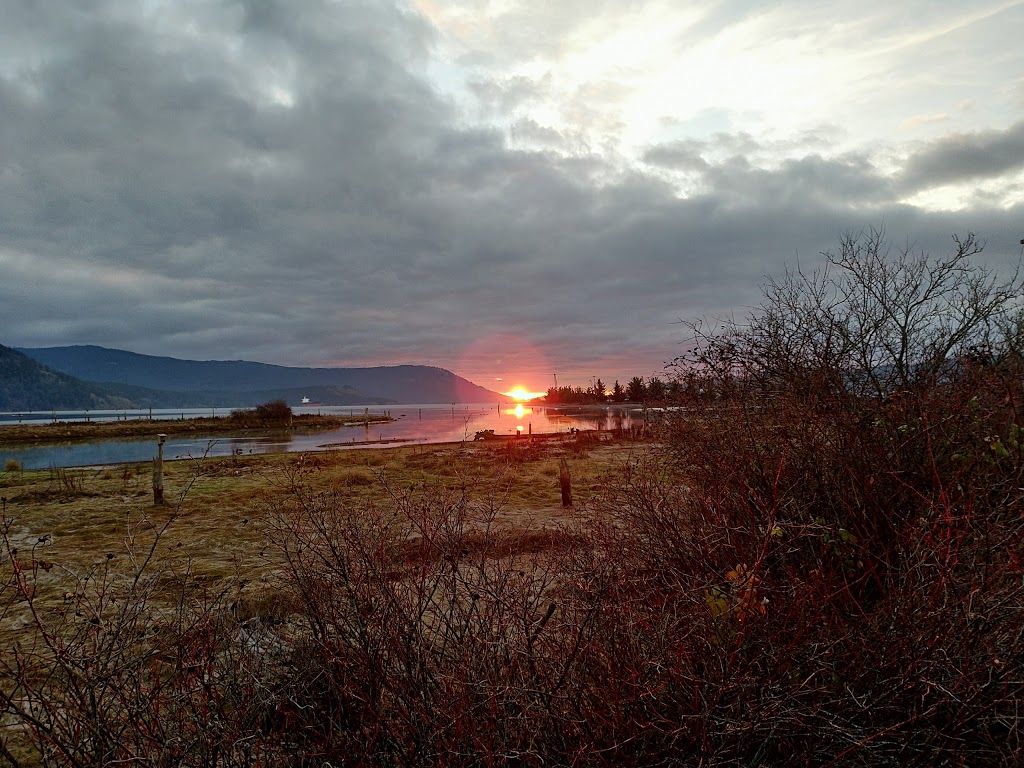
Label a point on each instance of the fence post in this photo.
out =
(565, 483)
(158, 471)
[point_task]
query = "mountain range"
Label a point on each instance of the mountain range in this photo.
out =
(26, 385)
(97, 377)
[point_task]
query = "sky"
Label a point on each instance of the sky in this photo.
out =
(510, 190)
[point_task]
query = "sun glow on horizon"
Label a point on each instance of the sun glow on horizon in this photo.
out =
(518, 393)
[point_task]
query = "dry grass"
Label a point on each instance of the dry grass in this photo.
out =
(79, 536)
(78, 520)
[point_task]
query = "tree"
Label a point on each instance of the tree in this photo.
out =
(618, 393)
(868, 322)
(655, 389)
(881, 364)
(636, 390)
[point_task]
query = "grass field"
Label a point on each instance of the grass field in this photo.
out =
(76, 520)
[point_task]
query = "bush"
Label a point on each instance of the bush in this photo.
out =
(272, 412)
(12, 465)
(853, 521)
(275, 410)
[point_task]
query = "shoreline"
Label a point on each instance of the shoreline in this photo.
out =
(587, 437)
(29, 435)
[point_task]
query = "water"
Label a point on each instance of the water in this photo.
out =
(412, 424)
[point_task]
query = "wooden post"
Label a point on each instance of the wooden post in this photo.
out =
(158, 471)
(565, 483)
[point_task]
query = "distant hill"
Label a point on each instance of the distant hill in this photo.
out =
(26, 385)
(399, 384)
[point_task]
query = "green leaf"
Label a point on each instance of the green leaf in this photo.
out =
(717, 602)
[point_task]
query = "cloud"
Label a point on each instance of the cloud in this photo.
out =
(505, 96)
(678, 155)
(288, 184)
(745, 172)
(966, 157)
(915, 121)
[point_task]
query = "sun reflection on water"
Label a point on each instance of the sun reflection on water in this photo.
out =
(519, 411)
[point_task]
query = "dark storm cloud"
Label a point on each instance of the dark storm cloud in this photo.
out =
(278, 181)
(981, 155)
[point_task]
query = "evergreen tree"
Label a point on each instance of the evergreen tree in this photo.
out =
(655, 389)
(636, 390)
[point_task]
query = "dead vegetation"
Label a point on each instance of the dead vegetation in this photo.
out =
(131, 607)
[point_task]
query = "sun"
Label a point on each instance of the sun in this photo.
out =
(518, 393)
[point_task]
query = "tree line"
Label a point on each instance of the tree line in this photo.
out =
(636, 390)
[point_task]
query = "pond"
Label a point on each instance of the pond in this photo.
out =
(412, 424)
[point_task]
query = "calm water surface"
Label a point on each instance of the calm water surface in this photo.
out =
(412, 424)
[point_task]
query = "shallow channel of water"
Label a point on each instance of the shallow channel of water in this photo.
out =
(412, 424)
